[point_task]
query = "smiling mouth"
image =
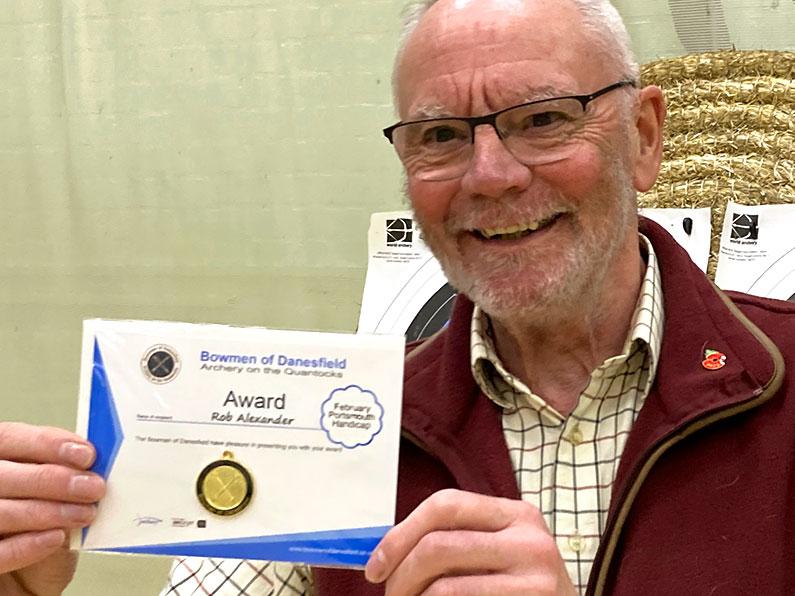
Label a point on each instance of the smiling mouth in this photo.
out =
(516, 231)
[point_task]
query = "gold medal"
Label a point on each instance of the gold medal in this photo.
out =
(224, 487)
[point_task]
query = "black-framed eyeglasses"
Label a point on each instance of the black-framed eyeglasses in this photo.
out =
(536, 132)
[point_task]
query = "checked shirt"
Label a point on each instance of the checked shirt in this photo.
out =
(566, 466)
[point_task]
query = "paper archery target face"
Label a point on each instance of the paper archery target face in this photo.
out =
(433, 315)
(778, 280)
(420, 305)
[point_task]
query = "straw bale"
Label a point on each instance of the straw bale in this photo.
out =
(773, 91)
(725, 64)
(774, 144)
(740, 116)
(773, 172)
(730, 132)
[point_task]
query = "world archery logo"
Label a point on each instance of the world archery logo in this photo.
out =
(160, 364)
(399, 232)
(745, 227)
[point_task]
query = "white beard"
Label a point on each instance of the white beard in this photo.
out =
(575, 283)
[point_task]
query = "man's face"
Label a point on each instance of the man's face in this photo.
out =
(518, 239)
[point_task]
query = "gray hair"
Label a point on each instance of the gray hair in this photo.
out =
(601, 20)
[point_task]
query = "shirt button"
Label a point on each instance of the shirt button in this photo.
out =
(575, 436)
(576, 542)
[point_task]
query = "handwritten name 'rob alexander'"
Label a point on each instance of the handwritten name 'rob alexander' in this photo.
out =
(258, 402)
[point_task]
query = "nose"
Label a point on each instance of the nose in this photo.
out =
(493, 171)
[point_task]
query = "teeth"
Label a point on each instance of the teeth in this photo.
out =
(511, 232)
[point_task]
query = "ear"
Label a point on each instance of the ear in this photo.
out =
(649, 127)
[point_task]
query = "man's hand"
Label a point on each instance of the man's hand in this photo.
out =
(44, 491)
(466, 544)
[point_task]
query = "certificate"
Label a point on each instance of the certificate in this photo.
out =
(241, 442)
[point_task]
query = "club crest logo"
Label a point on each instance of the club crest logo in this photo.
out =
(160, 364)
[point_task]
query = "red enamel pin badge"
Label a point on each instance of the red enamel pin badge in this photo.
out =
(713, 360)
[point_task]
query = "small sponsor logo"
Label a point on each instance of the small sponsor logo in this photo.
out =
(144, 520)
(160, 364)
(179, 522)
(399, 232)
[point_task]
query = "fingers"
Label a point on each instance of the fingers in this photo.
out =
(445, 553)
(444, 510)
(27, 443)
(440, 554)
(49, 482)
(490, 585)
(26, 515)
(44, 491)
(46, 463)
(17, 552)
(464, 543)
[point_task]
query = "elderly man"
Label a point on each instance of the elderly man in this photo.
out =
(597, 417)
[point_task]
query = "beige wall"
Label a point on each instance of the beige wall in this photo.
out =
(199, 160)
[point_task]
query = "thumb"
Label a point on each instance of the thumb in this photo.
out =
(50, 575)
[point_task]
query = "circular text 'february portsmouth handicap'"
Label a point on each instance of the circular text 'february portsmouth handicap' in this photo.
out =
(352, 416)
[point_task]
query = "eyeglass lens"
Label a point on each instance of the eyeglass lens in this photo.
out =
(535, 134)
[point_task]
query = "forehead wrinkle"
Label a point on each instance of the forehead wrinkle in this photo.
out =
(528, 94)
(475, 34)
(454, 80)
(445, 98)
(517, 95)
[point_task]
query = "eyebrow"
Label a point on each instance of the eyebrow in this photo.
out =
(538, 93)
(431, 111)
(531, 93)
